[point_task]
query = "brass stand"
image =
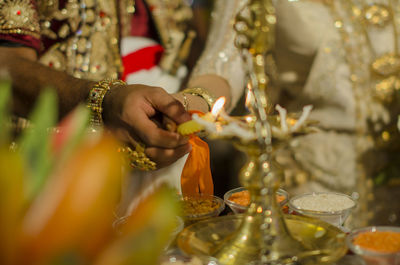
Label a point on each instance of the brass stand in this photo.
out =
(263, 235)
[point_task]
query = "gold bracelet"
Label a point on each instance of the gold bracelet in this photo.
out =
(203, 93)
(185, 102)
(96, 97)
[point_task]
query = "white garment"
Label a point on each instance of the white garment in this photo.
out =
(312, 69)
(140, 183)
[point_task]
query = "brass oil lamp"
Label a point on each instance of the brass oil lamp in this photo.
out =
(262, 235)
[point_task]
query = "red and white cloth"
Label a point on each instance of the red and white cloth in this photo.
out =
(140, 57)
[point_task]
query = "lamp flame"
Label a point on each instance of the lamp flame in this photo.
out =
(218, 105)
(249, 96)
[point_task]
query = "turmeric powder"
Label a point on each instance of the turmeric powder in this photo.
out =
(380, 241)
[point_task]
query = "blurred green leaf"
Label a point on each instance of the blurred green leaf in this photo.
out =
(35, 142)
(5, 98)
(11, 202)
(71, 132)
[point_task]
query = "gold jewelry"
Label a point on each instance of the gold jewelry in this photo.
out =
(185, 102)
(385, 68)
(96, 97)
(137, 158)
(203, 93)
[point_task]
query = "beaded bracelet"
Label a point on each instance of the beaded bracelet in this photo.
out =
(96, 97)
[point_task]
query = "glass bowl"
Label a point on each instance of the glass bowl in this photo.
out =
(179, 225)
(371, 256)
(331, 207)
(200, 207)
(241, 207)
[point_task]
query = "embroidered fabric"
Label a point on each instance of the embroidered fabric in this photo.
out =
(19, 22)
(81, 37)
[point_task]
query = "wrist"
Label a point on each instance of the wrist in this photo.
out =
(191, 102)
(199, 98)
(98, 99)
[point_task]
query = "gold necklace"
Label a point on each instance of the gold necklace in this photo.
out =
(385, 68)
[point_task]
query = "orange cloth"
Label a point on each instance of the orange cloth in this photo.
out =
(196, 175)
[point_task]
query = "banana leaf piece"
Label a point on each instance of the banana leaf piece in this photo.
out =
(34, 143)
(5, 98)
(11, 203)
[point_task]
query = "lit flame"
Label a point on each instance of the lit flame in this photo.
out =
(249, 96)
(219, 104)
(249, 119)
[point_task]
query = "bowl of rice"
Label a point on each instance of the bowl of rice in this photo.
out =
(238, 199)
(376, 245)
(330, 207)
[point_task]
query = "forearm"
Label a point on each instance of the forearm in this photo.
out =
(214, 84)
(29, 78)
(220, 67)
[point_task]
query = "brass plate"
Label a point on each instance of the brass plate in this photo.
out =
(204, 237)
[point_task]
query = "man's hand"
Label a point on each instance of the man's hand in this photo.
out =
(135, 113)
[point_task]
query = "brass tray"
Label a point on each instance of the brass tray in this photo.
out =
(326, 241)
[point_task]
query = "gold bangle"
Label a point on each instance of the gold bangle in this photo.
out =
(137, 158)
(96, 97)
(185, 102)
(203, 93)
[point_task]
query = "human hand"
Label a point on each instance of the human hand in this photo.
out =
(135, 114)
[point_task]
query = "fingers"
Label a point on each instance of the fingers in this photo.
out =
(141, 109)
(168, 105)
(152, 135)
(165, 157)
(161, 156)
(169, 124)
(126, 135)
(143, 105)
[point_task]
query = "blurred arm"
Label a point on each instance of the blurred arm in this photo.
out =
(220, 68)
(29, 77)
